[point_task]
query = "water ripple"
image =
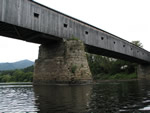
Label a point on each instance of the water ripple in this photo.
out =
(17, 98)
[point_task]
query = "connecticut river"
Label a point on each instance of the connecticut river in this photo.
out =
(106, 97)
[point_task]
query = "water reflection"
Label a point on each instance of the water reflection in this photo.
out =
(63, 99)
(104, 98)
(122, 97)
(111, 97)
(134, 96)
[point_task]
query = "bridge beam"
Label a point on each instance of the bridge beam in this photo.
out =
(62, 62)
(143, 71)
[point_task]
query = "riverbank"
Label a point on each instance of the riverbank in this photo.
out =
(117, 76)
(92, 83)
(114, 80)
(101, 78)
(17, 83)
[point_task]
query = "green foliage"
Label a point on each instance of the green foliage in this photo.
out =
(29, 69)
(21, 75)
(110, 68)
(6, 78)
(137, 43)
(123, 76)
(73, 68)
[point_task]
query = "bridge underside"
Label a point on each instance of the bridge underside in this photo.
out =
(28, 35)
(113, 54)
(12, 31)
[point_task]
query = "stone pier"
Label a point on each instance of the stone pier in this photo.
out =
(62, 62)
(143, 71)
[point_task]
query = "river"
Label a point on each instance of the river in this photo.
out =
(105, 97)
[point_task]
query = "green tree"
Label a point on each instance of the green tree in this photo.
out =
(137, 43)
(6, 78)
(28, 77)
(105, 67)
(18, 76)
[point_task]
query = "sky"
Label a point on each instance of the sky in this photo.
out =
(128, 19)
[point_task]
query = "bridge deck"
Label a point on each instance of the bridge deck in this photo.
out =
(33, 22)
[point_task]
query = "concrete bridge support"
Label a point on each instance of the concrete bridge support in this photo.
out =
(62, 62)
(143, 71)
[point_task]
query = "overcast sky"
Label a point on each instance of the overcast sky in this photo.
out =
(128, 19)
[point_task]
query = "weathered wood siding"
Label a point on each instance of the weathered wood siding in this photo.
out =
(31, 15)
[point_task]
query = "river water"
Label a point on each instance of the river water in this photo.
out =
(106, 97)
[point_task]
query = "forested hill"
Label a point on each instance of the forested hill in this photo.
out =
(16, 65)
(18, 75)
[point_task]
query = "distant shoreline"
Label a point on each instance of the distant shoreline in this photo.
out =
(17, 83)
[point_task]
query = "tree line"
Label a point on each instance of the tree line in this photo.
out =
(18, 75)
(109, 68)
